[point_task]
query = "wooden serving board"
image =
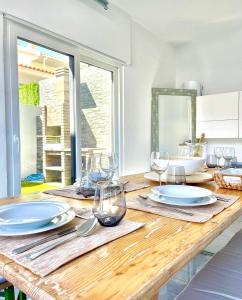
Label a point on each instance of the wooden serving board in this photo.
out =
(198, 177)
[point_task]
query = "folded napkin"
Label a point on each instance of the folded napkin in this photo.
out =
(70, 191)
(198, 214)
(52, 260)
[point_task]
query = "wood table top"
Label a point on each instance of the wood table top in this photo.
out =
(132, 267)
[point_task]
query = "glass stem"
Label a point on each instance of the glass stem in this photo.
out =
(160, 178)
(218, 163)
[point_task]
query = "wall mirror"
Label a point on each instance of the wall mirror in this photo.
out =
(173, 119)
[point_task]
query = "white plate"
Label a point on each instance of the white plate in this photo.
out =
(55, 223)
(176, 202)
(197, 177)
(31, 214)
(181, 191)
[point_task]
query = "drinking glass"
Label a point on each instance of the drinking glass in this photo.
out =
(211, 161)
(218, 152)
(109, 164)
(176, 175)
(82, 184)
(95, 172)
(159, 162)
(109, 205)
(228, 155)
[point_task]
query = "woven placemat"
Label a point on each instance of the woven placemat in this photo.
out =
(70, 191)
(64, 253)
(198, 214)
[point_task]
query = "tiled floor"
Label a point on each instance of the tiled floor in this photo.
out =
(180, 280)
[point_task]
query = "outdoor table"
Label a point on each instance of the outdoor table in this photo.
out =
(135, 266)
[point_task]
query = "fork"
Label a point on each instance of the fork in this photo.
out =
(142, 198)
(84, 230)
(219, 198)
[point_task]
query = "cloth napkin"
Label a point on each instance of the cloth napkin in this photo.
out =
(198, 214)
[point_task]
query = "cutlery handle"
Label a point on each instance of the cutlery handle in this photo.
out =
(43, 240)
(33, 255)
(183, 211)
(142, 199)
(32, 245)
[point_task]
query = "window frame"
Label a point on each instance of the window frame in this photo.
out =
(14, 29)
(116, 103)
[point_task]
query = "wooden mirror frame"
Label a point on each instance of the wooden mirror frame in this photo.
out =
(156, 92)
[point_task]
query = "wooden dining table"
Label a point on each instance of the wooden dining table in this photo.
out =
(134, 266)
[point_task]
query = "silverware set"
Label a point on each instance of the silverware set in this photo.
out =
(84, 229)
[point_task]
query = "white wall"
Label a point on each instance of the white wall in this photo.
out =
(83, 21)
(153, 65)
(152, 62)
(28, 140)
(216, 62)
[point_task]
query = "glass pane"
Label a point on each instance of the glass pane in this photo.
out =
(44, 117)
(96, 109)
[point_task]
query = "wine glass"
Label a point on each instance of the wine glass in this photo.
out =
(159, 162)
(228, 155)
(218, 152)
(109, 205)
(95, 172)
(109, 164)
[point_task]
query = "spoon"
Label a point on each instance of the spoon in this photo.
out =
(84, 229)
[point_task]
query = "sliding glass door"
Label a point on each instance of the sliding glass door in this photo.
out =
(41, 106)
(99, 108)
(44, 111)
(60, 105)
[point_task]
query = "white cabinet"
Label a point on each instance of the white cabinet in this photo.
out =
(218, 129)
(218, 115)
(218, 107)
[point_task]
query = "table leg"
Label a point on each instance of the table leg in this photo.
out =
(9, 293)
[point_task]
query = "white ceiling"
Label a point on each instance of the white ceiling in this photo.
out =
(181, 21)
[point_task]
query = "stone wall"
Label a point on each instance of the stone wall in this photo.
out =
(96, 104)
(54, 98)
(95, 116)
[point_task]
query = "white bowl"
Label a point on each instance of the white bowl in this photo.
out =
(191, 164)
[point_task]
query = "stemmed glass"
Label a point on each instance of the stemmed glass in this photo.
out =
(109, 205)
(95, 172)
(218, 152)
(159, 162)
(109, 164)
(228, 155)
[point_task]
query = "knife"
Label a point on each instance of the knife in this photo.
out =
(44, 240)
